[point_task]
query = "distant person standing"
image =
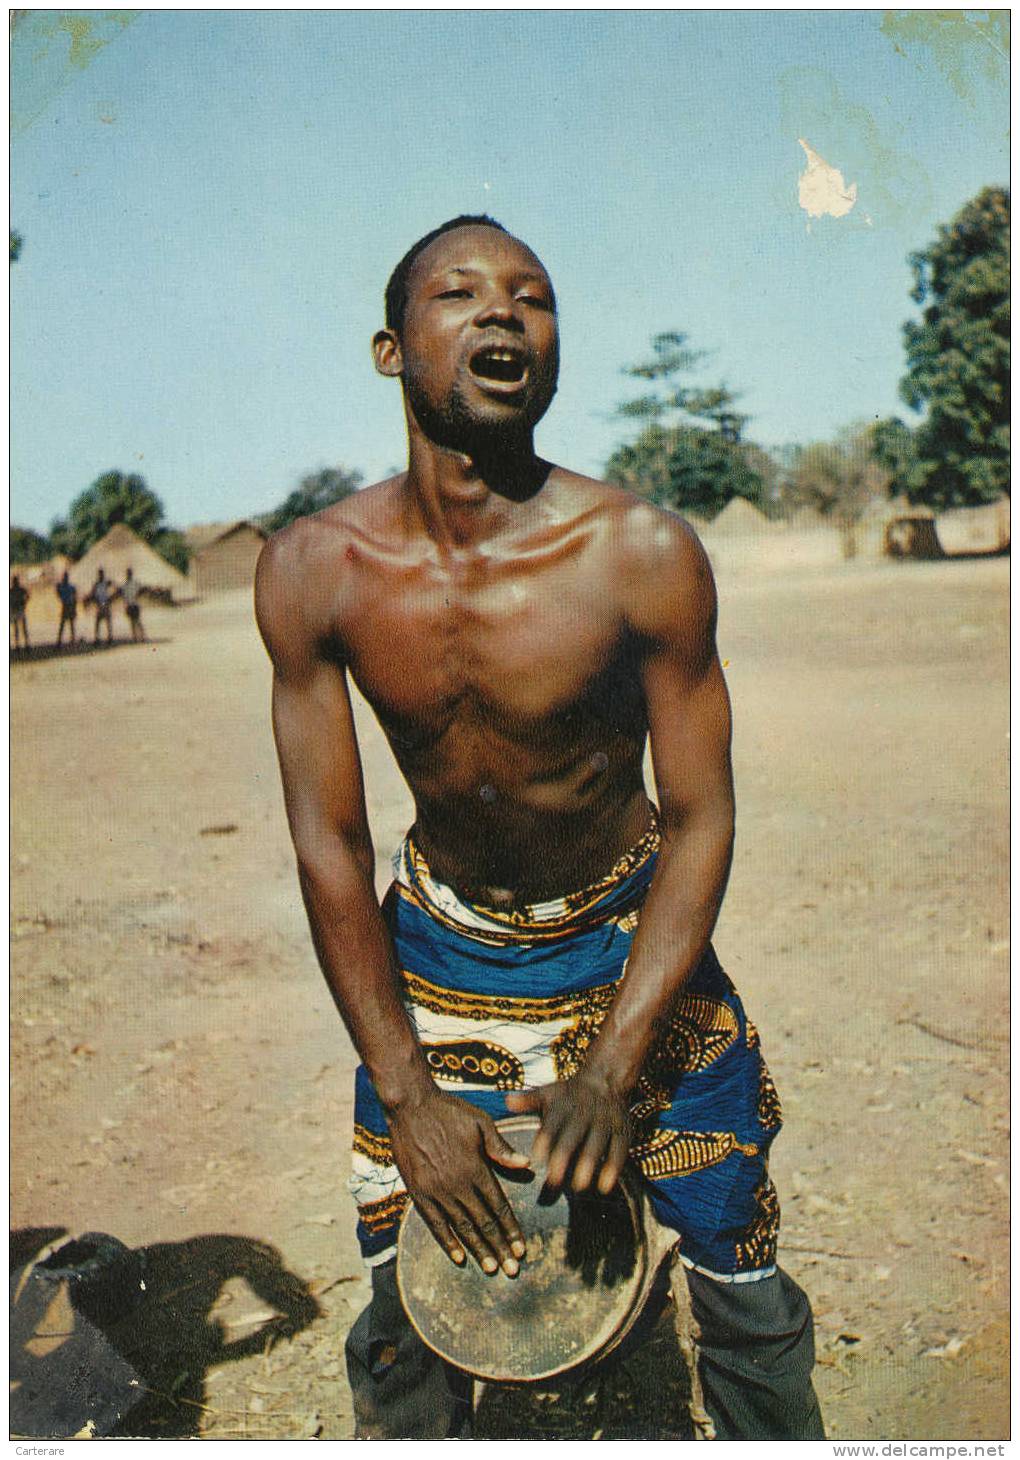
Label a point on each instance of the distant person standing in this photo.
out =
(68, 595)
(131, 593)
(19, 624)
(102, 595)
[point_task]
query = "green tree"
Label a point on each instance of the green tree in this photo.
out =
(690, 453)
(840, 479)
(895, 449)
(16, 245)
(958, 359)
(172, 545)
(27, 546)
(314, 492)
(115, 497)
(686, 467)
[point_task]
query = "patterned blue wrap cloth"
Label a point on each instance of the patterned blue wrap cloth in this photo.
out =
(501, 1001)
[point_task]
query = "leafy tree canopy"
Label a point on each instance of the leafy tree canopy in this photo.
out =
(689, 454)
(840, 480)
(16, 245)
(958, 361)
(172, 545)
(686, 467)
(894, 448)
(115, 497)
(27, 546)
(318, 490)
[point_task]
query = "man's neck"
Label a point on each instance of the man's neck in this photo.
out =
(465, 498)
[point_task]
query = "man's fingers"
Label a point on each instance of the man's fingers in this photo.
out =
(511, 1243)
(468, 1234)
(441, 1230)
(548, 1135)
(500, 1150)
(480, 1232)
(494, 1222)
(555, 1115)
(570, 1137)
(614, 1163)
(590, 1158)
(523, 1102)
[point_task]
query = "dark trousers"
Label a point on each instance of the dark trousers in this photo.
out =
(756, 1356)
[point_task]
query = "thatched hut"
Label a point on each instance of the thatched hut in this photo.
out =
(740, 518)
(223, 555)
(121, 549)
(966, 531)
(41, 575)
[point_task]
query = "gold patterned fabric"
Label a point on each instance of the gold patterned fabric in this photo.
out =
(509, 1000)
(378, 1215)
(424, 994)
(474, 1062)
(758, 1247)
(375, 1148)
(679, 1152)
(562, 917)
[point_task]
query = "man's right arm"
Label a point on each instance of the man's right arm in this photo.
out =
(439, 1142)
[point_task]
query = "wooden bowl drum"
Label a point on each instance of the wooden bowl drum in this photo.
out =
(589, 1267)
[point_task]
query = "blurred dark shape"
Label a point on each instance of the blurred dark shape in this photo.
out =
(120, 1339)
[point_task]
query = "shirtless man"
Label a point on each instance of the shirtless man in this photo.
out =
(520, 631)
(131, 593)
(101, 595)
(67, 595)
(19, 621)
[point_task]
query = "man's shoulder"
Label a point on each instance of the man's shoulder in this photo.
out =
(319, 542)
(644, 536)
(301, 571)
(661, 576)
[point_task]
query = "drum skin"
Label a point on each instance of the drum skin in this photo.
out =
(580, 1287)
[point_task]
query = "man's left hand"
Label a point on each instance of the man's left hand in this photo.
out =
(585, 1125)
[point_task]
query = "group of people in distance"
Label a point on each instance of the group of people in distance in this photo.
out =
(100, 596)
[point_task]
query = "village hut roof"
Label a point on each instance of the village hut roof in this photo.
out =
(119, 550)
(41, 575)
(739, 518)
(204, 534)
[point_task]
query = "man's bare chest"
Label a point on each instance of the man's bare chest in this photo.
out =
(511, 648)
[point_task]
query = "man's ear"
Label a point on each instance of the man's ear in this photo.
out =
(389, 358)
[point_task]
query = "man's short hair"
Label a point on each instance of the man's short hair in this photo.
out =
(396, 289)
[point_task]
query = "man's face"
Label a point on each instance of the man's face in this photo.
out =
(479, 343)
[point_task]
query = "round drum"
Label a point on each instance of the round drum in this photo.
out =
(581, 1284)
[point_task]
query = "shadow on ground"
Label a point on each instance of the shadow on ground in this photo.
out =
(120, 1339)
(35, 653)
(115, 1341)
(642, 1393)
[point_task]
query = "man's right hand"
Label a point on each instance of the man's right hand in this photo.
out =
(442, 1147)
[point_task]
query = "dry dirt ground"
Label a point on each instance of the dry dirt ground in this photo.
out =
(181, 1082)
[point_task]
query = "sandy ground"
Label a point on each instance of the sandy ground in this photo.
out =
(181, 1081)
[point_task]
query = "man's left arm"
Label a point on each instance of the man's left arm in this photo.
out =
(672, 612)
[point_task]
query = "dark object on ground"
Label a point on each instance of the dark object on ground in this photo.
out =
(67, 1377)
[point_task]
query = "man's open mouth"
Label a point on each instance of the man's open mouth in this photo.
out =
(499, 364)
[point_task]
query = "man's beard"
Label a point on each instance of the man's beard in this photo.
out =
(457, 426)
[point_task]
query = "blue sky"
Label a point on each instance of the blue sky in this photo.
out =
(212, 201)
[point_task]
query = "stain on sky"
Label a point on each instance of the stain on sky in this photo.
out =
(49, 48)
(894, 189)
(962, 43)
(822, 188)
